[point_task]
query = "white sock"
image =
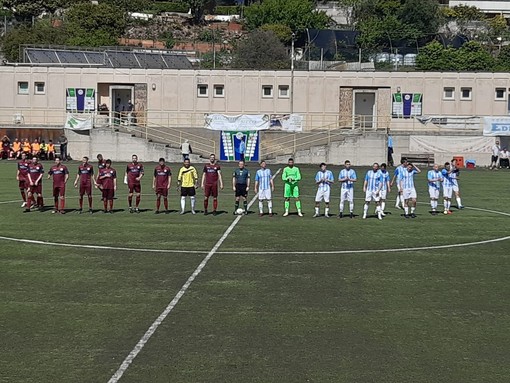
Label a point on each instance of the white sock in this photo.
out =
(192, 202)
(326, 211)
(365, 209)
(351, 206)
(341, 206)
(413, 209)
(270, 206)
(397, 200)
(261, 207)
(445, 204)
(183, 203)
(458, 201)
(402, 199)
(383, 205)
(406, 209)
(449, 204)
(316, 210)
(432, 204)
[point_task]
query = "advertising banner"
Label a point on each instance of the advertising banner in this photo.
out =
(240, 145)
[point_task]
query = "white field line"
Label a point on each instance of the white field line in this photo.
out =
(154, 326)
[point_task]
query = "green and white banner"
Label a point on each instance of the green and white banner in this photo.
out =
(80, 99)
(79, 121)
(407, 104)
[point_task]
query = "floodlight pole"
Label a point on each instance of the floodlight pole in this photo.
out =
(292, 73)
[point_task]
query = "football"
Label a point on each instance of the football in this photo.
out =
(239, 211)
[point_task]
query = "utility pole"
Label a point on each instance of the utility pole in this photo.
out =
(292, 73)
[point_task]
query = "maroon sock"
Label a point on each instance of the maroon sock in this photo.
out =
(105, 203)
(130, 201)
(111, 204)
(206, 204)
(90, 202)
(40, 201)
(81, 202)
(165, 201)
(29, 202)
(23, 195)
(62, 204)
(215, 204)
(158, 204)
(137, 200)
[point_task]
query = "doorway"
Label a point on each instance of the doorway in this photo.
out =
(121, 104)
(364, 109)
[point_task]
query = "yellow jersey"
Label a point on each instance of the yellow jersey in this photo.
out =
(187, 176)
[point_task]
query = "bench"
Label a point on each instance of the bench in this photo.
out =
(419, 158)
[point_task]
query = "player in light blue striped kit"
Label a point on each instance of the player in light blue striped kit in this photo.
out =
(408, 190)
(264, 187)
(385, 188)
(434, 178)
(372, 188)
(347, 177)
(323, 179)
(396, 180)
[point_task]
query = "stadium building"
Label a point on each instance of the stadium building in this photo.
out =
(120, 102)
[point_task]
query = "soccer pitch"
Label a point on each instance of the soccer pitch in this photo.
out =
(281, 299)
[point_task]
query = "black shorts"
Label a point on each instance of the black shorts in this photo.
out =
(188, 191)
(241, 190)
(494, 159)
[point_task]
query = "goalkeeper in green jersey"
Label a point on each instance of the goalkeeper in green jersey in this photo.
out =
(291, 177)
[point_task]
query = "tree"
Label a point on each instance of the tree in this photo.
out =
(198, 7)
(298, 15)
(27, 9)
(283, 32)
(261, 50)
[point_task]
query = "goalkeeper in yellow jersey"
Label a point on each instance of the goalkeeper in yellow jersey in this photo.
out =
(291, 177)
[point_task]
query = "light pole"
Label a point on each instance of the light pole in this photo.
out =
(293, 36)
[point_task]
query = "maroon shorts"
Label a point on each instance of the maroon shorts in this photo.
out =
(59, 191)
(211, 191)
(108, 194)
(35, 189)
(162, 192)
(134, 188)
(23, 184)
(85, 189)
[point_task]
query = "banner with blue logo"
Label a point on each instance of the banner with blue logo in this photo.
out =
(242, 145)
(496, 126)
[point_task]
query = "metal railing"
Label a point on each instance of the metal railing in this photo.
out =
(33, 117)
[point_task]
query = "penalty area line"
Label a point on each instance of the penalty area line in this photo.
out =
(154, 326)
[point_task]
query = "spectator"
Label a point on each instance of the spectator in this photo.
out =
(504, 161)
(43, 153)
(186, 150)
(63, 147)
(51, 150)
(6, 148)
(16, 149)
(36, 148)
(390, 149)
(26, 147)
(495, 154)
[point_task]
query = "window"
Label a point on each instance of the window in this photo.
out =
(202, 90)
(465, 93)
(39, 88)
(449, 93)
(283, 91)
(267, 91)
(219, 90)
(500, 94)
(22, 87)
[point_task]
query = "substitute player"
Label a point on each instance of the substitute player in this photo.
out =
(107, 178)
(241, 186)
(35, 175)
(60, 175)
(434, 178)
(323, 179)
(187, 182)
(161, 183)
(264, 187)
(447, 187)
(291, 177)
(372, 189)
(85, 177)
(347, 177)
(22, 177)
(211, 177)
(408, 190)
(134, 174)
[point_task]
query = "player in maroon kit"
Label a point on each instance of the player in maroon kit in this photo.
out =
(134, 173)
(86, 177)
(161, 182)
(101, 164)
(35, 175)
(22, 177)
(210, 178)
(60, 176)
(107, 178)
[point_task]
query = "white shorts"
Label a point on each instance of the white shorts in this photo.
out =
(455, 188)
(447, 192)
(409, 193)
(264, 194)
(399, 189)
(372, 196)
(433, 192)
(383, 194)
(347, 195)
(322, 195)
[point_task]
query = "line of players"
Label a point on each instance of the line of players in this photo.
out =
(377, 185)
